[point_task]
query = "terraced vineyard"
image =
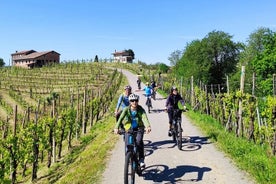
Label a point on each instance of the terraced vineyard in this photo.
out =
(43, 107)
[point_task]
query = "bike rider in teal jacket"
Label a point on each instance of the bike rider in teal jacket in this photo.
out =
(134, 117)
(148, 92)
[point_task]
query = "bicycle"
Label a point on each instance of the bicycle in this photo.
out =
(154, 94)
(132, 165)
(176, 128)
(148, 103)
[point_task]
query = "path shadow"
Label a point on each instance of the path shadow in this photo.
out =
(157, 110)
(164, 174)
(192, 143)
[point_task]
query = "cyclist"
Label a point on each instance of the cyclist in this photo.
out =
(135, 118)
(139, 82)
(153, 84)
(148, 92)
(154, 89)
(123, 101)
(172, 103)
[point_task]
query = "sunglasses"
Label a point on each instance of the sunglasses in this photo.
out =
(133, 100)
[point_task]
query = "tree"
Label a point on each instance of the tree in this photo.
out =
(222, 54)
(264, 65)
(175, 57)
(163, 68)
(96, 59)
(258, 59)
(131, 53)
(209, 60)
(2, 63)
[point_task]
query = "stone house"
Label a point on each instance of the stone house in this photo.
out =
(31, 58)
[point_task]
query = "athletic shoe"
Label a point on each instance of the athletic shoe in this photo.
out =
(142, 163)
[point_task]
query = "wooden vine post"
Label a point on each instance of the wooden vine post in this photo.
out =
(84, 112)
(192, 91)
(35, 145)
(54, 138)
(240, 124)
(12, 150)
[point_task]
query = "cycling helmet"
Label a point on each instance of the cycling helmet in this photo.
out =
(173, 88)
(128, 87)
(147, 83)
(133, 97)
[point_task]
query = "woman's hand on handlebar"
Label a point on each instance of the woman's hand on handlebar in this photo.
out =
(116, 131)
(148, 130)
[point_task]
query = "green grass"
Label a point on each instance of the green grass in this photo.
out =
(248, 156)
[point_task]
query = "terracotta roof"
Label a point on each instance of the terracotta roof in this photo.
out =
(121, 53)
(23, 52)
(33, 55)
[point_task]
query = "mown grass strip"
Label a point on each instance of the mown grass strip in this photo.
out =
(248, 156)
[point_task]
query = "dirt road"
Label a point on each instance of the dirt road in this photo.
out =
(199, 161)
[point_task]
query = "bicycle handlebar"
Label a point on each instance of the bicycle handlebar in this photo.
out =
(122, 132)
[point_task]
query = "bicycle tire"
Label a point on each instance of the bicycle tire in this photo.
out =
(174, 134)
(179, 137)
(129, 170)
(148, 104)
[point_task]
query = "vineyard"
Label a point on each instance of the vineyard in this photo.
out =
(40, 109)
(44, 112)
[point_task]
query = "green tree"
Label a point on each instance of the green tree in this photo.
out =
(131, 53)
(258, 58)
(2, 63)
(209, 60)
(222, 54)
(96, 59)
(193, 63)
(163, 68)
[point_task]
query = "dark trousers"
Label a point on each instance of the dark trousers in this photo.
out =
(139, 142)
(171, 115)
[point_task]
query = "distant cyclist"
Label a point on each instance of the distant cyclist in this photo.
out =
(123, 101)
(172, 103)
(148, 92)
(154, 89)
(134, 117)
(139, 83)
(153, 84)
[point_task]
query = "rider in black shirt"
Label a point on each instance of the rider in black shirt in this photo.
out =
(173, 103)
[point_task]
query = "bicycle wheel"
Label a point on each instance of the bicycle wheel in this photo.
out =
(148, 104)
(174, 133)
(129, 171)
(179, 136)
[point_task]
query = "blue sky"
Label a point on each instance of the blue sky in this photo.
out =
(153, 29)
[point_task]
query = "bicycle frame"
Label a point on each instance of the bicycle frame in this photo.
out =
(148, 103)
(131, 157)
(177, 129)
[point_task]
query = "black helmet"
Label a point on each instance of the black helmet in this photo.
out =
(128, 87)
(173, 88)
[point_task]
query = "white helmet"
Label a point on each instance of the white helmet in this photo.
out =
(133, 97)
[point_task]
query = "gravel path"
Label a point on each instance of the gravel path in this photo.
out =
(199, 161)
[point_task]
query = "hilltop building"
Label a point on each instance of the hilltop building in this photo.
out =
(122, 57)
(31, 58)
